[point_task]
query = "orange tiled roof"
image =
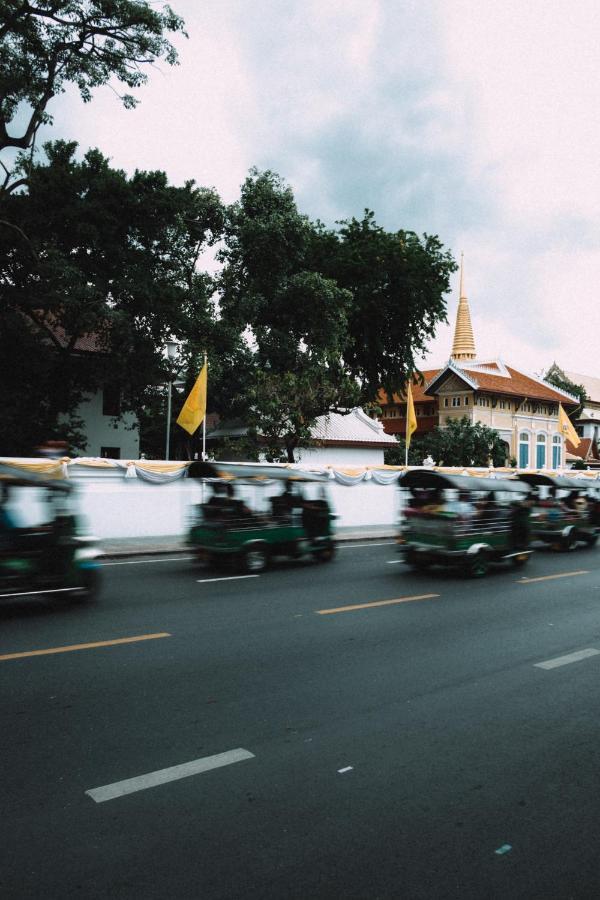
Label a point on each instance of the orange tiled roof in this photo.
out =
(518, 385)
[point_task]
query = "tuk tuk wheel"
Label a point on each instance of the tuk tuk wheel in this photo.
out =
(206, 560)
(568, 541)
(590, 540)
(90, 587)
(324, 554)
(415, 561)
(254, 560)
(478, 565)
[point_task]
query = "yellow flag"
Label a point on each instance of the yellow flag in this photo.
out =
(566, 427)
(194, 408)
(411, 418)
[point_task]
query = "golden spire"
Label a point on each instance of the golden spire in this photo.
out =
(463, 346)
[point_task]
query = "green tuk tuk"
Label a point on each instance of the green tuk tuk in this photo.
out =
(463, 521)
(42, 549)
(565, 510)
(294, 521)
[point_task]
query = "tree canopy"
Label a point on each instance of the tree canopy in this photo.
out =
(112, 273)
(99, 268)
(47, 44)
(333, 315)
(458, 443)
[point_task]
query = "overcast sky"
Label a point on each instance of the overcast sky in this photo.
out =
(475, 120)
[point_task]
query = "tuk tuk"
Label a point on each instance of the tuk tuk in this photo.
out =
(288, 515)
(565, 510)
(463, 521)
(42, 549)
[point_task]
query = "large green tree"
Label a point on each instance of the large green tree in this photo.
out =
(113, 269)
(332, 315)
(295, 317)
(397, 281)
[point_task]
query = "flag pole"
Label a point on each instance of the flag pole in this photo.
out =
(204, 420)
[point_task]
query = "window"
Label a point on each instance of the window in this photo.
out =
(446, 401)
(523, 450)
(456, 401)
(111, 400)
(466, 401)
(540, 456)
(556, 451)
(110, 452)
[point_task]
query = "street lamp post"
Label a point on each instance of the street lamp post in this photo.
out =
(171, 348)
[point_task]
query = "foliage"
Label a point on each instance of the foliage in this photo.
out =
(556, 376)
(284, 407)
(397, 281)
(295, 317)
(461, 443)
(396, 456)
(48, 44)
(113, 268)
(332, 316)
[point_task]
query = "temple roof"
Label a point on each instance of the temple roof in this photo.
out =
(488, 377)
(463, 346)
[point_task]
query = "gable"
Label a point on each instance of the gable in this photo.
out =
(453, 384)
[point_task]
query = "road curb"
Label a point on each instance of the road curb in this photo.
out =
(180, 550)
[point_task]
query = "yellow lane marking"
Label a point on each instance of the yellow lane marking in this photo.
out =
(339, 609)
(550, 577)
(128, 640)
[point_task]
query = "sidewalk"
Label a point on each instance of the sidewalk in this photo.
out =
(112, 548)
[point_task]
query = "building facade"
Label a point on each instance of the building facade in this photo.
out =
(522, 408)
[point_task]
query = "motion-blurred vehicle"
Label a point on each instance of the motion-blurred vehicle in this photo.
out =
(43, 549)
(463, 521)
(565, 510)
(296, 521)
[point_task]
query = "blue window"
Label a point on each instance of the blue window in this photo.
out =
(556, 451)
(523, 450)
(540, 456)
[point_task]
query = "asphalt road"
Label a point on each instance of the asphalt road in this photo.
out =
(410, 749)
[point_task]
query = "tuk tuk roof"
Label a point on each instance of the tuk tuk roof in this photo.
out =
(19, 477)
(253, 471)
(559, 481)
(428, 478)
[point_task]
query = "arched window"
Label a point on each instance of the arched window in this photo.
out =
(523, 450)
(556, 451)
(540, 456)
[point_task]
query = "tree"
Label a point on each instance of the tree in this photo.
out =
(343, 312)
(396, 456)
(48, 44)
(397, 281)
(461, 443)
(113, 270)
(295, 317)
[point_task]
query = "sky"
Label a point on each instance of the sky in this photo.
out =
(470, 119)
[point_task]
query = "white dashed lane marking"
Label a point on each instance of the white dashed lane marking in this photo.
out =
(162, 776)
(569, 658)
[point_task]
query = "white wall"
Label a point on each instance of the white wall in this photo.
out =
(101, 432)
(340, 456)
(114, 506)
